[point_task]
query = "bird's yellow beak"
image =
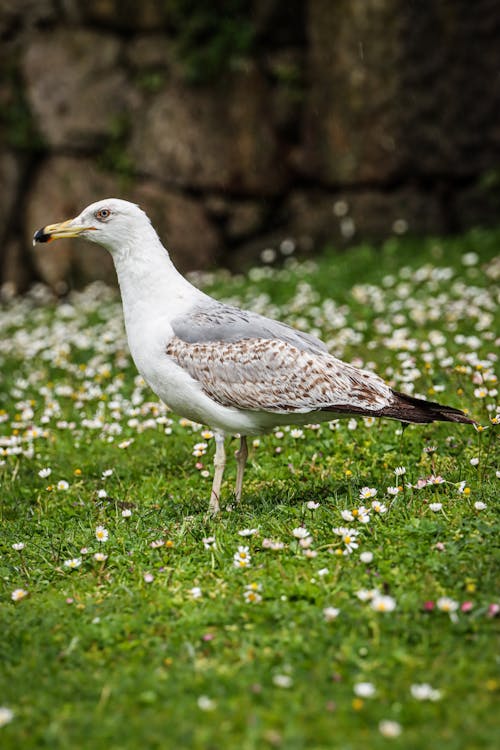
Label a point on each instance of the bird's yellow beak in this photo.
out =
(62, 230)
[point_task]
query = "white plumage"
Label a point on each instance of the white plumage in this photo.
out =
(231, 369)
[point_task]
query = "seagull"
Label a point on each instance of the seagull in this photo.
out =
(230, 369)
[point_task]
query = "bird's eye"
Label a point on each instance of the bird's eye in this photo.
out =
(103, 214)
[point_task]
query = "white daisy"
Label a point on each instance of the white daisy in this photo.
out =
(101, 534)
(382, 603)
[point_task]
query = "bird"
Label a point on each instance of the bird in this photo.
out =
(238, 372)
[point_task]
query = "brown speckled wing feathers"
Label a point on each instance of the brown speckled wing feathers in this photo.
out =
(274, 376)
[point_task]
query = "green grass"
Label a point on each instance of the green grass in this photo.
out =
(102, 657)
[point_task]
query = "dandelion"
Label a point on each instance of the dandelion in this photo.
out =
(206, 704)
(364, 689)
(73, 563)
(6, 715)
(478, 505)
(44, 473)
(18, 546)
(445, 604)
(242, 558)
(382, 603)
(62, 484)
(18, 594)
(126, 513)
(435, 507)
(100, 557)
(424, 692)
(331, 613)
(389, 728)
(101, 534)
(367, 492)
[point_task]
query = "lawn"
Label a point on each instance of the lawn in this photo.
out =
(349, 602)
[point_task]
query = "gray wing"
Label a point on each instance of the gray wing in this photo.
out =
(216, 322)
(272, 375)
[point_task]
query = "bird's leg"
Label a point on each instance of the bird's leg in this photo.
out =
(241, 459)
(219, 464)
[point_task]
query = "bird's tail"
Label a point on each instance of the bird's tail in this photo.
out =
(407, 409)
(410, 409)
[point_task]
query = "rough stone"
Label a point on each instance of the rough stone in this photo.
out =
(19, 16)
(217, 138)
(10, 176)
(476, 204)
(387, 107)
(75, 87)
(399, 90)
(244, 219)
(354, 53)
(150, 51)
(182, 224)
(342, 218)
(62, 188)
(16, 272)
(117, 14)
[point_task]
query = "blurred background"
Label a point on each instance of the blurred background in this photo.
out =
(245, 126)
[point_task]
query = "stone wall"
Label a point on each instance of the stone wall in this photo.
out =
(316, 120)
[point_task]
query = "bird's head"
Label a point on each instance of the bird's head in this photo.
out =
(112, 222)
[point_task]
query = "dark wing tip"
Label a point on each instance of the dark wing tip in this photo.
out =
(409, 409)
